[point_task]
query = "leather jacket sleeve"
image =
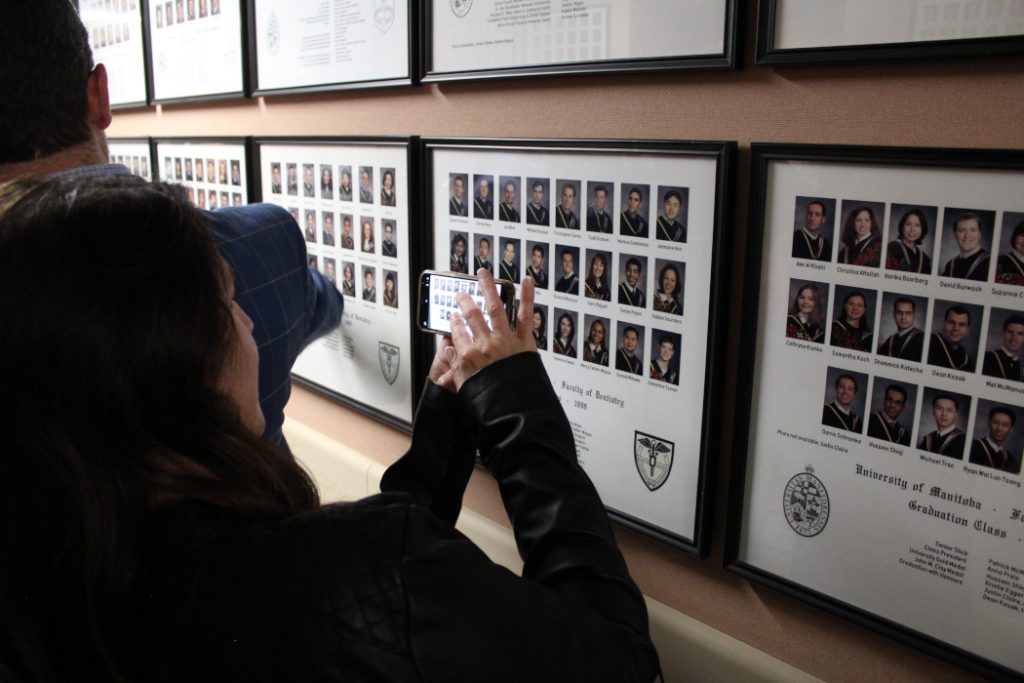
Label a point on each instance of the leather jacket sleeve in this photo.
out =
(440, 460)
(575, 614)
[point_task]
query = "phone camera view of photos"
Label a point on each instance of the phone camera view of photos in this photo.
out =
(437, 299)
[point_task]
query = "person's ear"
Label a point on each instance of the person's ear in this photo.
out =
(98, 98)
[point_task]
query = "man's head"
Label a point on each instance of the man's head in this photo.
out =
(568, 196)
(894, 402)
(510, 193)
(1013, 334)
(673, 202)
(485, 189)
(957, 323)
(346, 226)
(567, 262)
(903, 311)
(815, 216)
(458, 187)
(389, 232)
(1000, 423)
(967, 230)
(52, 98)
(633, 269)
(364, 178)
(630, 338)
(510, 251)
(635, 197)
(368, 278)
(537, 256)
(484, 250)
(944, 409)
(600, 197)
(275, 174)
(846, 390)
(538, 192)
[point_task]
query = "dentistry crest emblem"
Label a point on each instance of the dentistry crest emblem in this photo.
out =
(389, 357)
(653, 457)
(383, 14)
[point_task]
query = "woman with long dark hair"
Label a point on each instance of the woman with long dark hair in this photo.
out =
(563, 341)
(596, 284)
(861, 238)
(852, 329)
(147, 532)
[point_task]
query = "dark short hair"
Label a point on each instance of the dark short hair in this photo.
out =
(673, 193)
(634, 261)
(966, 217)
(602, 188)
(1013, 320)
(856, 385)
(939, 397)
(898, 389)
(46, 61)
(666, 338)
(566, 251)
(630, 328)
(484, 239)
(637, 190)
(1005, 411)
(958, 310)
(904, 300)
(539, 248)
(824, 209)
(536, 184)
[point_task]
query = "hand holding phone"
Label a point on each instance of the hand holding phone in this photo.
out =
(437, 294)
(473, 344)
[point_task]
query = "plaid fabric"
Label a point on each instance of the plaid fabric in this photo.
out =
(289, 303)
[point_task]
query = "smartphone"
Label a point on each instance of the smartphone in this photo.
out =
(436, 301)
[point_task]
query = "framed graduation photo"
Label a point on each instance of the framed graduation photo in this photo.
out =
(197, 50)
(135, 154)
(877, 466)
(626, 323)
(309, 46)
(810, 31)
(214, 171)
(475, 39)
(352, 199)
(118, 39)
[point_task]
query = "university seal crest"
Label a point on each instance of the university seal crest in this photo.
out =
(388, 355)
(805, 504)
(653, 457)
(460, 8)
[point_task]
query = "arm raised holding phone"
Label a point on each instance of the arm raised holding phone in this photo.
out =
(575, 614)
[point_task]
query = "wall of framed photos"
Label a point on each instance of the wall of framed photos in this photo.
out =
(974, 102)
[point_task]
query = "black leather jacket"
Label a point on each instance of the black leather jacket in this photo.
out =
(385, 589)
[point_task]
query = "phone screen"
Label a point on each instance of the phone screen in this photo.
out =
(438, 303)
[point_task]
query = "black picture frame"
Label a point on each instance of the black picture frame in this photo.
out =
(244, 52)
(419, 343)
(720, 211)
(743, 473)
(245, 142)
(144, 27)
(768, 54)
(726, 59)
(146, 141)
(252, 62)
